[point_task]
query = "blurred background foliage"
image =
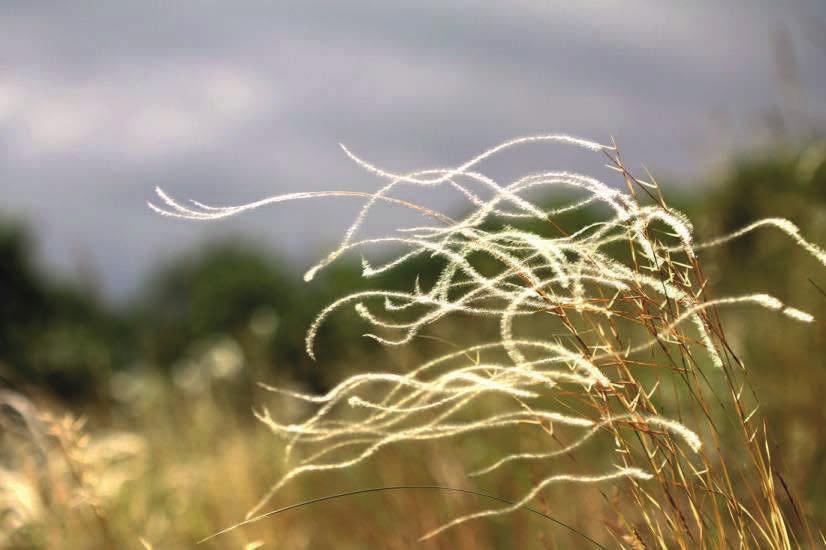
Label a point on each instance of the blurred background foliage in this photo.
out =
(185, 353)
(59, 336)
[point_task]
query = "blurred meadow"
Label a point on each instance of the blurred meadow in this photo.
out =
(134, 422)
(129, 420)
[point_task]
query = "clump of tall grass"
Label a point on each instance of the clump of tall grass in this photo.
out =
(52, 467)
(594, 324)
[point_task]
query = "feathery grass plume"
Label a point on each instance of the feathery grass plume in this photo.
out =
(629, 294)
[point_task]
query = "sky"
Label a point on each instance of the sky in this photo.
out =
(229, 102)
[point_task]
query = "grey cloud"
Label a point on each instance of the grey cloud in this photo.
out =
(229, 102)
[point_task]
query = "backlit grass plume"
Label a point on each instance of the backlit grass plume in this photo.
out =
(590, 322)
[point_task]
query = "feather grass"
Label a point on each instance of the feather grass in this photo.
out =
(617, 287)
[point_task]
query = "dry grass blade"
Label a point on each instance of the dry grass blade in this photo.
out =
(398, 488)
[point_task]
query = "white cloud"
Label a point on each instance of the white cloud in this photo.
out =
(10, 99)
(128, 114)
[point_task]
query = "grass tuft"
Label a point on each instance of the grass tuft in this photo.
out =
(606, 332)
